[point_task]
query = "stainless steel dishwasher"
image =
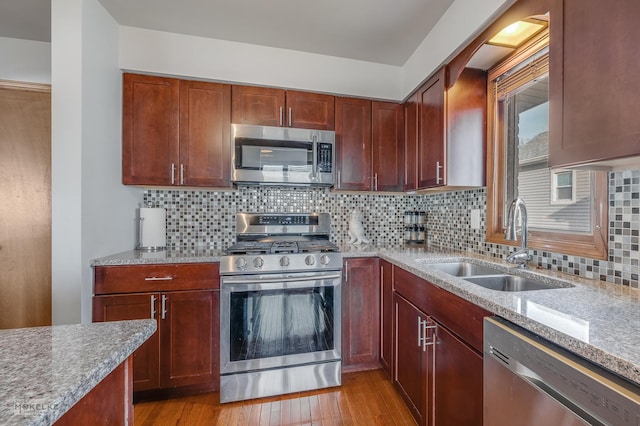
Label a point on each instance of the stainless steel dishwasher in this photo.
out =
(530, 381)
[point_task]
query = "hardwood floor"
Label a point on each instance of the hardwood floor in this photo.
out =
(365, 398)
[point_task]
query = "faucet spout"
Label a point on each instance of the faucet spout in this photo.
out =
(521, 257)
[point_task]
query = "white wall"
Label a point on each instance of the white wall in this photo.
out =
(25, 60)
(92, 213)
(197, 57)
(458, 26)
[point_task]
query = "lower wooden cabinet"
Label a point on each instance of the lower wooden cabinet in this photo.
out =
(184, 352)
(437, 352)
(386, 317)
(457, 392)
(360, 314)
(412, 371)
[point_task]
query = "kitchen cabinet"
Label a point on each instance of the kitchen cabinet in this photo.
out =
(369, 140)
(431, 131)
(451, 132)
(386, 317)
(410, 108)
(438, 337)
(413, 373)
(594, 83)
(184, 299)
(353, 144)
(360, 314)
(175, 132)
(267, 106)
(387, 135)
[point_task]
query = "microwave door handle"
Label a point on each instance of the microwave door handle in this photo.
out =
(315, 157)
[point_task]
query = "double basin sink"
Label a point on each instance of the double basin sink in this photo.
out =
(493, 278)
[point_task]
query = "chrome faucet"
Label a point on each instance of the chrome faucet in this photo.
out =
(521, 257)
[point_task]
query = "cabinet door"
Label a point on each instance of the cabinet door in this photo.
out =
(594, 81)
(353, 143)
(386, 317)
(360, 314)
(431, 136)
(458, 382)
(205, 121)
(387, 128)
(146, 359)
(412, 375)
(189, 341)
(310, 110)
(257, 105)
(150, 128)
(411, 143)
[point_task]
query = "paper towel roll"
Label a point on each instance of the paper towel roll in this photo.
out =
(152, 228)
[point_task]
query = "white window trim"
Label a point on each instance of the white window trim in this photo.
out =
(554, 201)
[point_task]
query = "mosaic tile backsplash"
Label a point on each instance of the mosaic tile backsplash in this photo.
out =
(206, 219)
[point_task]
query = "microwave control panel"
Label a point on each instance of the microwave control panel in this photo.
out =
(325, 156)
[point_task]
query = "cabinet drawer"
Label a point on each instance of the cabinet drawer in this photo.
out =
(461, 317)
(160, 277)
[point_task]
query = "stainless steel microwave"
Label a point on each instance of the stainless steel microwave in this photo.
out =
(263, 155)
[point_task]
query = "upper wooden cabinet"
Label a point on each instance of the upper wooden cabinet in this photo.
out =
(276, 107)
(369, 139)
(431, 131)
(175, 132)
(594, 81)
(410, 108)
(387, 134)
(353, 143)
(445, 132)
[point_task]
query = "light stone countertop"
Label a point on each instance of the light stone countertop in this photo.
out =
(46, 370)
(597, 320)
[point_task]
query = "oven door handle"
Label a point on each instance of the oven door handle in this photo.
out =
(233, 280)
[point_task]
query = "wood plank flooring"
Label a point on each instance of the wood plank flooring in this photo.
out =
(365, 398)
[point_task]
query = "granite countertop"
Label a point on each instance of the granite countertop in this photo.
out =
(46, 370)
(594, 319)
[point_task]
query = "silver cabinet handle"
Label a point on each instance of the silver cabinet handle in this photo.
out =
(281, 118)
(181, 174)
(346, 271)
(289, 116)
(420, 328)
(375, 182)
(173, 173)
(153, 307)
(338, 183)
(163, 314)
(315, 156)
(438, 167)
(158, 278)
(428, 325)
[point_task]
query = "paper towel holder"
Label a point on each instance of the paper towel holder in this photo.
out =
(151, 242)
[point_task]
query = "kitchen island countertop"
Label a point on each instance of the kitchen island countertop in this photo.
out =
(597, 320)
(46, 370)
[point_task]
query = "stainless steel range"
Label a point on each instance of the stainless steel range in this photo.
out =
(280, 307)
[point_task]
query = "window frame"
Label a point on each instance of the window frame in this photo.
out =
(593, 245)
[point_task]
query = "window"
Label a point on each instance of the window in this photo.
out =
(563, 190)
(567, 211)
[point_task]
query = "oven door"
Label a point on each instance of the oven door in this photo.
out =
(277, 320)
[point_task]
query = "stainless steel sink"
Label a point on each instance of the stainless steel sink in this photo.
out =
(511, 283)
(464, 269)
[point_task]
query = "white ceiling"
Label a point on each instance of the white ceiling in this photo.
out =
(382, 31)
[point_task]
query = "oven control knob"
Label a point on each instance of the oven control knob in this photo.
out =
(310, 260)
(258, 262)
(324, 259)
(241, 263)
(284, 261)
